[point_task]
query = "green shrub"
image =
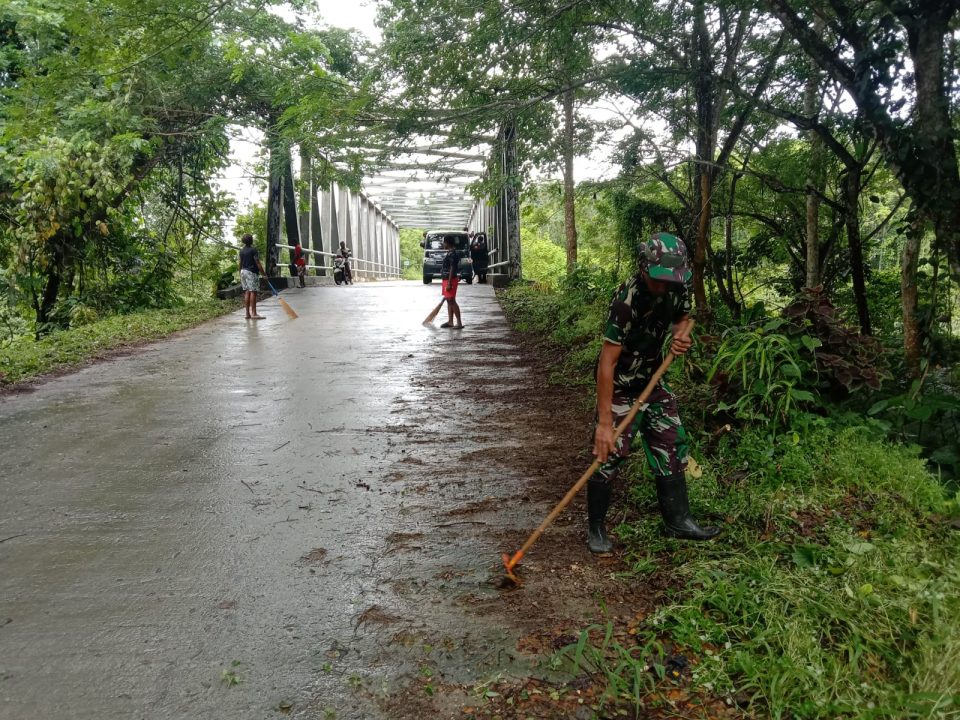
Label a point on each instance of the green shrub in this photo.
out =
(571, 318)
(763, 370)
(26, 358)
(81, 314)
(835, 590)
(543, 261)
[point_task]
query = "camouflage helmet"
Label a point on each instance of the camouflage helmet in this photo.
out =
(664, 256)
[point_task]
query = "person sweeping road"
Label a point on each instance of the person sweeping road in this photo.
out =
(643, 310)
(451, 266)
(250, 270)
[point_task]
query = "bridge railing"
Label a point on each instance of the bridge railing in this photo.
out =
(502, 263)
(498, 216)
(375, 269)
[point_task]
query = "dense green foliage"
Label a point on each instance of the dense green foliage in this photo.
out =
(115, 116)
(411, 254)
(834, 591)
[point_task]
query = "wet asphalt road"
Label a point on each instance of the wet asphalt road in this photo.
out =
(277, 500)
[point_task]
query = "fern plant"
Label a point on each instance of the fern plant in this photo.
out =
(765, 370)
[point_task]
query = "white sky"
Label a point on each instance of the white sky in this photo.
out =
(351, 14)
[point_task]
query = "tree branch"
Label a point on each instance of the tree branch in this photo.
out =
(744, 117)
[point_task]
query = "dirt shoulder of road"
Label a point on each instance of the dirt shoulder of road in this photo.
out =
(565, 590)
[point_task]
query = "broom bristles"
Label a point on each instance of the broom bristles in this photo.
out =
(287, 309)
(434, 313)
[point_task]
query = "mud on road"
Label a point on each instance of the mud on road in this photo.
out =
(296, 519)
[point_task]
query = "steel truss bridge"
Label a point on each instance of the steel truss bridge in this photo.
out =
(421, 186)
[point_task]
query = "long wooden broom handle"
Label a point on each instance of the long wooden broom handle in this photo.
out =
(620, 429)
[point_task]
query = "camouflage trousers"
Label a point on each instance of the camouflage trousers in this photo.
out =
(660, 431)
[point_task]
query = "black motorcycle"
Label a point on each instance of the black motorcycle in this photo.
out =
(341, 271)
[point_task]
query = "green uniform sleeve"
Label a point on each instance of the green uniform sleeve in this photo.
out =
(683, 305)
(620, 317)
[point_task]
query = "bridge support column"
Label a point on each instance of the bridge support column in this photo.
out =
(303, 200)
(511, 200)
(311, 232)
(391, 242)
(278, 153)
(375, 237)
(291, 221)
(316, 229)
(344, 216)
(332, 218)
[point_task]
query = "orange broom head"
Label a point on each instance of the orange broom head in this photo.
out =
(436, 311)
(287, 309)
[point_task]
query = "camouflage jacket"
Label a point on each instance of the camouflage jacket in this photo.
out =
(640, 321)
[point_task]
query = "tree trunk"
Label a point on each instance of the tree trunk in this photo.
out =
(926, 41)
(728, 247)
(51, 292)
(705, 184)
(728, 230)
(569, 209)
(932, 317)
(933, 112)
(815, 174)
(274, 208)
(908, 296)
(705, 148)
(851, 205)
(723, 272)
(306, 172)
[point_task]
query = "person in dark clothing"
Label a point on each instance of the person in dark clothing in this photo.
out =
(643, 311)
(480, 256)
(344, 252)
(451, 265)
(300, 264)
(250, 271)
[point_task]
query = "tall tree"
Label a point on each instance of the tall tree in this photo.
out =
(686, 77)
(863, 52)
(816, 178)
(532, 62)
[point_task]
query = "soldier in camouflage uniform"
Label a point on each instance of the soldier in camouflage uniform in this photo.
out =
(642, 312)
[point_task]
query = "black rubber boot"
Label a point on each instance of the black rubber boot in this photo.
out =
(675, 508)
(598, 502)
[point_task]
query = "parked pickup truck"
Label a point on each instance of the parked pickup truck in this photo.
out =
(433, 253)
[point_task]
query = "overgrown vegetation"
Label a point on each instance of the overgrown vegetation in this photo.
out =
(24, 358)
(115, 118)
(411, 254)
(835, 589)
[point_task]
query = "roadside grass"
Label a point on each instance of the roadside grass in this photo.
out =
(571, 322)
(834, 590)
(25, 359)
